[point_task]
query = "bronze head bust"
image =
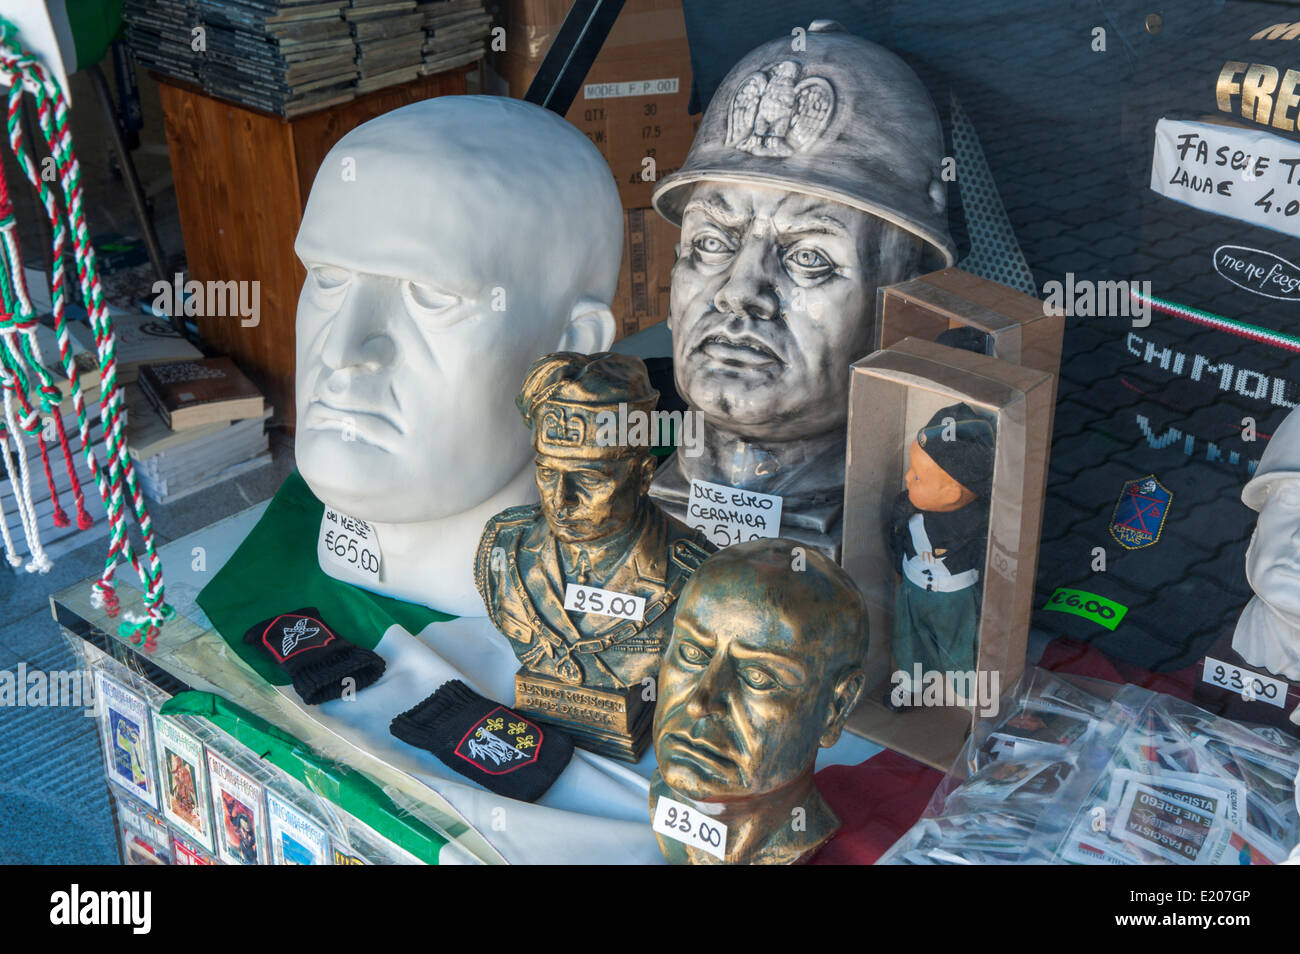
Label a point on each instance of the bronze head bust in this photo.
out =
(764, 666)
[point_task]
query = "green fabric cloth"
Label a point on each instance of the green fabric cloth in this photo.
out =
(95, 24)
(346, 788)
(937, 630)
(275, 571)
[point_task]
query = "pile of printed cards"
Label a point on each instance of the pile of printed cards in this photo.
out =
(180, 802)
(1086, 772)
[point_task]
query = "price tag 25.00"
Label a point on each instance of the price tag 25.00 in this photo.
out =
(592, 599)
(348, 544)
(690, 826)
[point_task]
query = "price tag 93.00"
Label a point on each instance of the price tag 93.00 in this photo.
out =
(1251, 686)
(690, 826)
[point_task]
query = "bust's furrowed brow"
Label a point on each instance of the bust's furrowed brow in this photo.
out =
(789, 670)
(720, 212)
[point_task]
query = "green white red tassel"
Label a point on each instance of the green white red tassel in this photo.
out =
(22, 372)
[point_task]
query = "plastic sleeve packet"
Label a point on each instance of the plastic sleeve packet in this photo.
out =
(1078, 771)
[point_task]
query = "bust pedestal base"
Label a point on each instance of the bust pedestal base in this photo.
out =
(610, 722)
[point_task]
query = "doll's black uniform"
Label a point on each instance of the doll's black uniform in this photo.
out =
(937, 607)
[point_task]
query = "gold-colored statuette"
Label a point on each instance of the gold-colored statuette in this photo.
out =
(764, 666)
(584, 583)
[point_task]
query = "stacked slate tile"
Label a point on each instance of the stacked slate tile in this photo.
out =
(296, 56)
(455, 32)
(279, 55)
(389, 36)
(282, 56)
(159, 35)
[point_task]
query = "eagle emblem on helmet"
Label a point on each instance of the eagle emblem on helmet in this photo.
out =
(772, 115)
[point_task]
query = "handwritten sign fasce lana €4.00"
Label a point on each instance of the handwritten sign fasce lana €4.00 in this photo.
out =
(1242, 174)
(728, 515)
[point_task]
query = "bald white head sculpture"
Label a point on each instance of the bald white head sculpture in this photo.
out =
(448, 244)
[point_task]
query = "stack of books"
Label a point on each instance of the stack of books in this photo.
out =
(144, 339)
(281, 56)
(455, 31)
(192, 424)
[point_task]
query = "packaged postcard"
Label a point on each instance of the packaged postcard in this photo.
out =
(295, 838)
(127, 751)
(237, 813)
(183, 781)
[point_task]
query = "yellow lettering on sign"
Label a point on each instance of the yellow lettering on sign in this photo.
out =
(1227, 87)
(1268, 96)
(1279, 31)
(1257, 92)
(1288, 97)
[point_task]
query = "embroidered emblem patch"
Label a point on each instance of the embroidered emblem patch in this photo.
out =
(501, 742)
(774, 113)
(1140, 512)
(292, 633)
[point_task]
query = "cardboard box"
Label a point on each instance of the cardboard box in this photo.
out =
(649, 251)
(929, 305)
(634, 99)
(892, 394)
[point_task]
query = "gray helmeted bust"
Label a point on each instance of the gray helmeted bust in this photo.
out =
(813, 180)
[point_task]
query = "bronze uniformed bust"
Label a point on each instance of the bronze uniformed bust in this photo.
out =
(595, 527)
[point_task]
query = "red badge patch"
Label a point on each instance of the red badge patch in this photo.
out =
(501, 742)
(293, 633)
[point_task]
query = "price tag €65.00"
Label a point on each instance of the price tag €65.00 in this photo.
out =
(592, 599)
(349, 544)
(690, 826)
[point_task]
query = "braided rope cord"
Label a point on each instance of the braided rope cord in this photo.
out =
(16, 307)
(116, 480)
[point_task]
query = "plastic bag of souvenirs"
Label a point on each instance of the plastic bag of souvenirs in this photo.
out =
(1085, 772)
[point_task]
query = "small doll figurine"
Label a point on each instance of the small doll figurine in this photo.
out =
(938, 533)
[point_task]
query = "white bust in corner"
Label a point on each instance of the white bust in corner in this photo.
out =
(1268, 632)
(448, 244)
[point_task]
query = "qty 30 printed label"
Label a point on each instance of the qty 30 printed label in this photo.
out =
(350, 545)
(1250, 685)
(690, 826)
(592, 599)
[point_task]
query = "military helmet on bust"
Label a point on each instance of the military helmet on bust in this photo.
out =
(840, 118)
(1280, 461)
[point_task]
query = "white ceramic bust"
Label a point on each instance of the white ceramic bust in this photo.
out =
(448, 245)
(1268, 632)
